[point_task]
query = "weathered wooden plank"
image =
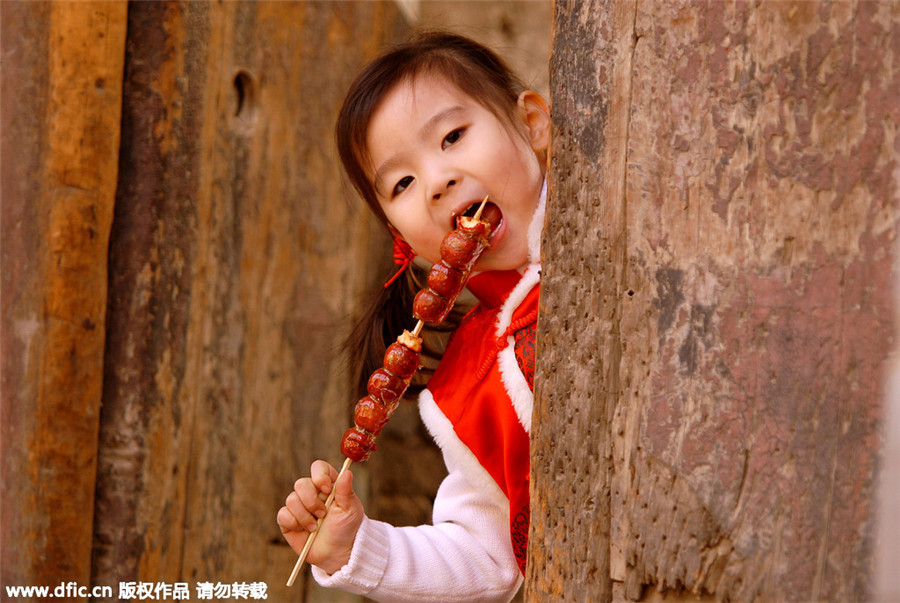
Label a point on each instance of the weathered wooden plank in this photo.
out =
(762, 210)
(145, 431)
(61, 91)
(578, 333)
(236, 262)
(746, 289)
(21, 336)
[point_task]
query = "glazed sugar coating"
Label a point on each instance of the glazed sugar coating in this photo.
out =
(385, 387)
(460, 251)
(372, 415)
(479, 230)
(431, 307)
(357, 445)
(401, 361)
(445, 280)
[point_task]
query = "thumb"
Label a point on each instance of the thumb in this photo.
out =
(344, 495)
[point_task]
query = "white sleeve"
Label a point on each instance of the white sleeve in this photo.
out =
(465, 556)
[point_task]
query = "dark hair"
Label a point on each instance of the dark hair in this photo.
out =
(472, 68)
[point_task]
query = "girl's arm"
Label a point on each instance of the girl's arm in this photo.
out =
(465, 556)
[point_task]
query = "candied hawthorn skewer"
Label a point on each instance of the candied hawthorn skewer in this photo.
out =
(460, 250)
(385, 388)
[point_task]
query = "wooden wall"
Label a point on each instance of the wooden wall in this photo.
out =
(196, 280)
(180, 261)
(717, 305)
(61, 102)
(236, 260)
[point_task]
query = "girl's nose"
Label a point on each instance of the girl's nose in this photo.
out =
(443, 190)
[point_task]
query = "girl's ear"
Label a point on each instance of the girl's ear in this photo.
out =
(536, 115)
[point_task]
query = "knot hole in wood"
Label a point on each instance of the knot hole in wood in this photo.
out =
(245, 97)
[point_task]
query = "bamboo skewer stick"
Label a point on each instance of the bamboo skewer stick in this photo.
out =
(312, 536)
(418, 328)
(477, 215)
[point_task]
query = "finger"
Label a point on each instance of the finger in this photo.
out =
(287, 522)
(323, 476)
(311, 497)
(303, 515)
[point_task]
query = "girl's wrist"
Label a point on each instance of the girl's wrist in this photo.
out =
(335, 564)
(341, 557)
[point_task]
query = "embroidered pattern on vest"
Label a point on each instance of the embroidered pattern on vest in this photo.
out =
(518, 534)
(524, 348)
(518, 526)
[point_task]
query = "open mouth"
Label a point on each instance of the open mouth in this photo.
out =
(490, 214)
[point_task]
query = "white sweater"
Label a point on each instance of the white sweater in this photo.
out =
(465, 556)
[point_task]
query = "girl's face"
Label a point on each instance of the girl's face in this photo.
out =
(435, 152)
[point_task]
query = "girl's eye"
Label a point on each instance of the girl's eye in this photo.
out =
(401, 186)
(453, 137)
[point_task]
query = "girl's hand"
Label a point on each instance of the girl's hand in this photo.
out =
(297, 518)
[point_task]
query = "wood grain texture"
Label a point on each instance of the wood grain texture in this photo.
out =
(742, 311)
(61, 93)
(237, 259)
(579, 344)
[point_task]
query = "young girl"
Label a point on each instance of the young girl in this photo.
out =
(426, 132)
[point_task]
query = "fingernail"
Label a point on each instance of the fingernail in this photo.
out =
(312, 527)
(320, 513)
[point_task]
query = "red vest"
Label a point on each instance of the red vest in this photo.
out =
(469, 389)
